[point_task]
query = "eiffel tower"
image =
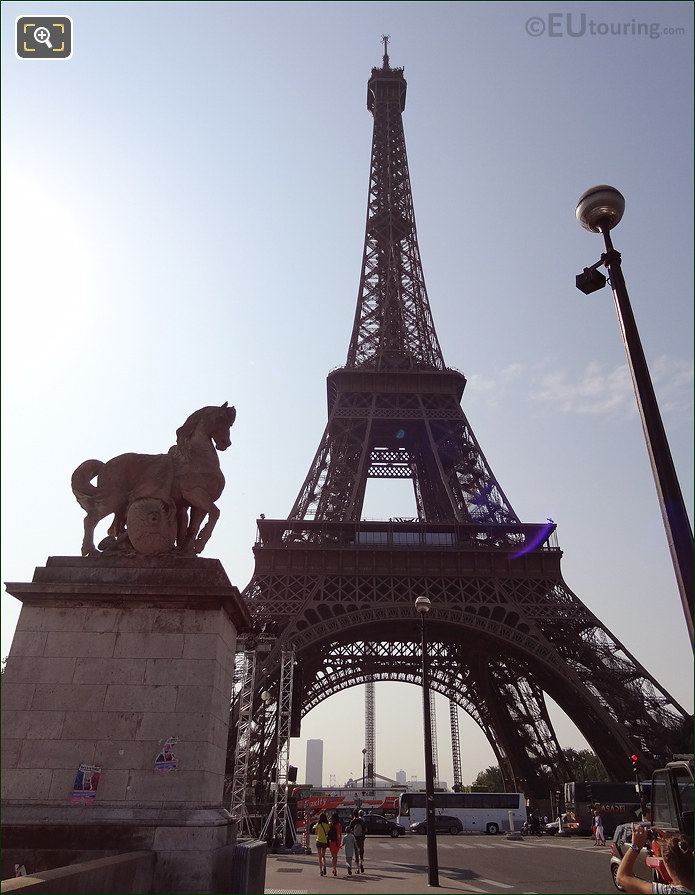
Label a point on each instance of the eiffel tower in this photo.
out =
(505, 628)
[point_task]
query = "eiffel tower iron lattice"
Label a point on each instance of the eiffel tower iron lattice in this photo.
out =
(505, 628)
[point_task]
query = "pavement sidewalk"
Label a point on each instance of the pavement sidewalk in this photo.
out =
(299, 875)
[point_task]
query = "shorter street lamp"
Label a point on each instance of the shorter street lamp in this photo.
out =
(599, 210)
(423, 606)
(364, 771)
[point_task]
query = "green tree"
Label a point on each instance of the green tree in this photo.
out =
(489, 780)
(583, 765)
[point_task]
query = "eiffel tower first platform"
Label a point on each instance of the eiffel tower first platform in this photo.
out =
(505, 629)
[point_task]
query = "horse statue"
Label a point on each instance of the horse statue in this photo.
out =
(151, 495)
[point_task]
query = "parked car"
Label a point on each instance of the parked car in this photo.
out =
(567, 825)
(377, 824)
(443, 823)
(618, 846)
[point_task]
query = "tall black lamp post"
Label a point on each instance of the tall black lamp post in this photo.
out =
(364, 769)
(422, 605)
(599, 210)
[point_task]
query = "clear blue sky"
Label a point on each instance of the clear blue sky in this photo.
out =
(186, 202)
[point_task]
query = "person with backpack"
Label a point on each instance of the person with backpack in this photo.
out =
(335, 839)
(359, 831)
(321, 830)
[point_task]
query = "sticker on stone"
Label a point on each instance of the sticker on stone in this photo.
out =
(166, 760)
(84, 790)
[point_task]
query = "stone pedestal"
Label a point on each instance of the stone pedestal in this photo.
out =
(112, 657)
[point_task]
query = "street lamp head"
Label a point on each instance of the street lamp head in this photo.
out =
(590, 280)
(265, 696)
(364, 752)
(600, 204)
(423, 605)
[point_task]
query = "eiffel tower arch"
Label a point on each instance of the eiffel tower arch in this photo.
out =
(505, 628)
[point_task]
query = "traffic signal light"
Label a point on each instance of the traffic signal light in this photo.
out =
(635, 761)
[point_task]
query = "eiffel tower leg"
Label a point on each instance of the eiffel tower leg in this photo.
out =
(513, 741)
(525, 703)
(638, 711)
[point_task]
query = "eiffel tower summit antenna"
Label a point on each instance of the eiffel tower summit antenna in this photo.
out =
(385, 40)
(505, 630)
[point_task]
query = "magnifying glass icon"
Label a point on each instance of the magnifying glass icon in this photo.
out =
(43, 36)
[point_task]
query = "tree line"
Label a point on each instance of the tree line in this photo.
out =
(583, 763)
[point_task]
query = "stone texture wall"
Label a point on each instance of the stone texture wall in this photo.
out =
(105, 685)
(113, 655)
(121, 873)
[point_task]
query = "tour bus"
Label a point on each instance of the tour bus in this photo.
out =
(617, 803)
(483, 812)
(313, 801)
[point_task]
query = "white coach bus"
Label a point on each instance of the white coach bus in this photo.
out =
(481, 812)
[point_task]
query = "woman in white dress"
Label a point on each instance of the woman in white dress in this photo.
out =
(598, 830)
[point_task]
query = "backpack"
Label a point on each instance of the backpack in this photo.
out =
(358, 829)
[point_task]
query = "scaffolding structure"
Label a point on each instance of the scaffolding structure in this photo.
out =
(435, 753)
(245, 665)
(279, 818)
(455, 744)
(369, 735)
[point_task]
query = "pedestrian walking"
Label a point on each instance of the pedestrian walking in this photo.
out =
(321, 830)
(335, 839)
(598, 828)
(359, 830)
(349, 843)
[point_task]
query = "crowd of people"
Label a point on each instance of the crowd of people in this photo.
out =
(332, 836)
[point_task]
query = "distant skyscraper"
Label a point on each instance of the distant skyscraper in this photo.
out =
(314, 762)
(401, 777)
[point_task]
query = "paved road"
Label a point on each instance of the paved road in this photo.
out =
(478, 864)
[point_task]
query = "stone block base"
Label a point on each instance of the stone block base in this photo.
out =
(194, 849)
(116, 662)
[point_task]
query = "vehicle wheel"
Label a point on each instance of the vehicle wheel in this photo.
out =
(453, 830)
(614, 874)
(492, 829)
(394, 834)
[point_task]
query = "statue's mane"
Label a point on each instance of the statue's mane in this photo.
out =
(185, 432)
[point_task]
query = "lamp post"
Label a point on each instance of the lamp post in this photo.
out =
(599, 210)
(423, 605)
(364, 770)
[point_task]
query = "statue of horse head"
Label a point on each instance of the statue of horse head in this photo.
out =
(211, 422)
